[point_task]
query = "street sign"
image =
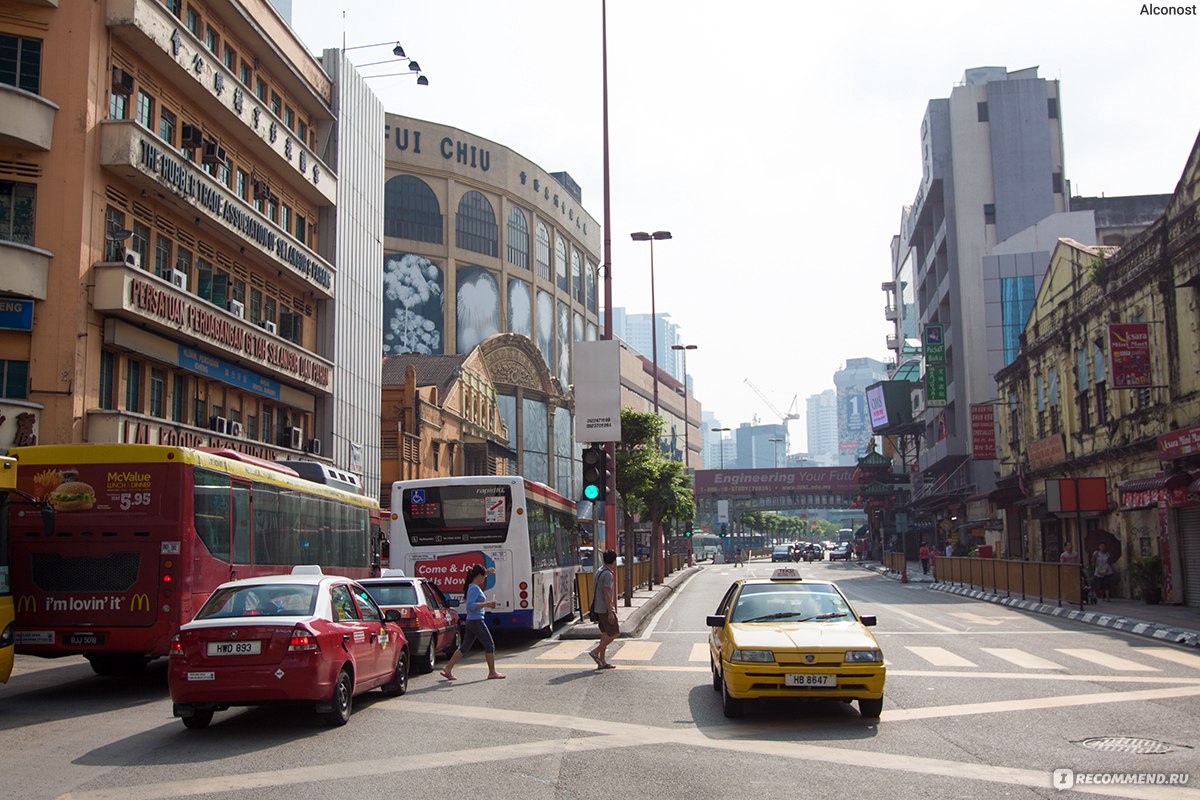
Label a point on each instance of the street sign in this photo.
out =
(935, 385)
(722, 511)
(935, 343)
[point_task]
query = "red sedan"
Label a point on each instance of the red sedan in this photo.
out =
(305, 637)
(430, 622)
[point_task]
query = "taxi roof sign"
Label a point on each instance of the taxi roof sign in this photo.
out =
(786, 574)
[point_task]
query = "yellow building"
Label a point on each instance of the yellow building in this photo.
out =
(1107, 386)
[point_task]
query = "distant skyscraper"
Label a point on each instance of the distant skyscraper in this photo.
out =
(755, 450)
(823, 426)
(854, 423)
(634, 330)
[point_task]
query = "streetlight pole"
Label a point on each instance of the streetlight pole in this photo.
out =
(721, 439)
(610, 507)
(686, 453)
(776, 440)
(642, 236)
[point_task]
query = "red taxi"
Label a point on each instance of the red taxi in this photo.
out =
(429, 620)
(304, 637)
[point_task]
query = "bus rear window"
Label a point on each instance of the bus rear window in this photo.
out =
(457, 514)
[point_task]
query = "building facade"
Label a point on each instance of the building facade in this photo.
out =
(822, 422)
(634, 330)
(853, 421)
(165, 250)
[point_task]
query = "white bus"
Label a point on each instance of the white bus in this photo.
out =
(524, 530)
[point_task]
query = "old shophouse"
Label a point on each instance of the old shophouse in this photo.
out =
(1107, 386)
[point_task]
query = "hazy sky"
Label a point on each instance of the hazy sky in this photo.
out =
(777, 141)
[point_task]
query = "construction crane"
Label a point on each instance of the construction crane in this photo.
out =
(783, 418)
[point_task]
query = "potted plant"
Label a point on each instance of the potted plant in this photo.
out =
(1146, 574)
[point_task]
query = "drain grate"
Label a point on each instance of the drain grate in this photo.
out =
(1129, 744)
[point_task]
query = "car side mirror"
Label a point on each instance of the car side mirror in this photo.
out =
(715, 621)
(391, 615)
(868, 620)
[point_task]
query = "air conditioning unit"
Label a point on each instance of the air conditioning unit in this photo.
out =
(297, 437)
(191, 136)
(235, 429)
(122, 82)
(237, 308)
(178, 279)
(262, 190)
(268, 326)
(220, 425)
(213, 154)
(133, 258)
(314, 447)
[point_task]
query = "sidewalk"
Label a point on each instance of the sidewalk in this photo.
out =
(631, 618)
(1179, 624)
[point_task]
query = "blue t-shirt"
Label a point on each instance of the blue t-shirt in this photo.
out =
(475, 596)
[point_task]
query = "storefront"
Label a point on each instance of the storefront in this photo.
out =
(1151, 509)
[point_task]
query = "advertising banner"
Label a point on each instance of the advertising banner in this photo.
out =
(598, 391)
(1129, 354)
(983, 431)
(935, 385)
(1179, 444)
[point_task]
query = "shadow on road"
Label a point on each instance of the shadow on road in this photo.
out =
(73, 691)
(782, 719)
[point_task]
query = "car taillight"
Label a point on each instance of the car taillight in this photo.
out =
(302, 640)
(176, 646)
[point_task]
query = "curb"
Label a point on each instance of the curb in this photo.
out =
(631, 626)
(1152, 630)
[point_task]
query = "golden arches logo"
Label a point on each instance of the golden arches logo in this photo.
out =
(27, 603)
(139, 602)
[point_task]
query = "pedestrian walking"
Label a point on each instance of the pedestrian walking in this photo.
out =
(1069, 556)
(604, 610)
(737, 556)
(1103, 572)
(923, 554)
(476, 628)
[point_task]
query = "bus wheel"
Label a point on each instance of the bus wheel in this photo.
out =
(548, 631)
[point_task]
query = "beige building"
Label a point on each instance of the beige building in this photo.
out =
(161, 160)
(1073, 407)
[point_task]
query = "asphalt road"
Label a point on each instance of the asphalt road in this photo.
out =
(981, 701)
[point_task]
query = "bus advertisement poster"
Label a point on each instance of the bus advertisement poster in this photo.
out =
(448, 572)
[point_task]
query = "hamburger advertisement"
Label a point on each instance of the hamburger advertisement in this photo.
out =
(95, 488)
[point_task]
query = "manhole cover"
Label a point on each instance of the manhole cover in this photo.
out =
(1129, 744)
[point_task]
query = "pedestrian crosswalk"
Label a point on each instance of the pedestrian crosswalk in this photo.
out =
(965, 656)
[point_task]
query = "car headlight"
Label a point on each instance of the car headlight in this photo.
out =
(764, 656)
(864, 655)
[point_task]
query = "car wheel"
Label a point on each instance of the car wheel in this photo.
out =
(198, 720)
(428, 659)
(398, 685)
(731, 705)
(341, 701)
(871, 709)
(455, 645)
(716, 676)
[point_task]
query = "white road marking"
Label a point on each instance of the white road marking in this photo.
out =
(1105, 660)
(1004, 706)
(924, 620)
(699, 652)
(940, 657)
(678, 591)
(1021, 658)
(1167, 654)
(976, 619)
(568, 650)
(635, 650)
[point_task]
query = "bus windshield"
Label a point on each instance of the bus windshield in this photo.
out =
(457, 514)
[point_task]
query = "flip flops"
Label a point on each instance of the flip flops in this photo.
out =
(608, 666)
(447, 676)
(596, 658)
(496, 677)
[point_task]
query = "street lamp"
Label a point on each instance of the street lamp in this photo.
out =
(721, 440)
(642, 236)
(684, 348)
(413, 67)
(776, 440)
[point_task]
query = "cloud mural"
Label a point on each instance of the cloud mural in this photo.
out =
(520, 308)
(413, 312)
(564, 343)
(545, 327)
(478, 307)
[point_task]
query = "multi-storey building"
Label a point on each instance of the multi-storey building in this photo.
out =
(166, 249)
(634, 330)
(853, 421)
(761, 446)
(822, 422)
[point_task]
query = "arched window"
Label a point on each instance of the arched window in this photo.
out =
(411, 210)
(576, 277)
(543, 252)
(590, 273)
(475, 225)
(560, 263)
(518, 239)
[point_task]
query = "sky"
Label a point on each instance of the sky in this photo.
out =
(777, 141)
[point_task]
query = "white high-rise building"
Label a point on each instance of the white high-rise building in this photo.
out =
(634, 330)
(823, 427)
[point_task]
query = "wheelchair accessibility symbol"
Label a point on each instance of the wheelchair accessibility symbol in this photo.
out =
(418, 497)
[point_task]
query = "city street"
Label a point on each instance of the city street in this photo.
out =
(981, 701)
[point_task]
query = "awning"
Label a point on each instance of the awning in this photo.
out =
(1036, 500)
(1155, 482)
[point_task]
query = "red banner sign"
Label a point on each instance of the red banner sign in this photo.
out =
(1180, 443)
(983, 431)
(1047, 452)
(1129, 353)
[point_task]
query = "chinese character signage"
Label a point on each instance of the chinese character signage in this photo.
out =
(983, 431)
(935, 343)
(1129, 351)
(935, 385)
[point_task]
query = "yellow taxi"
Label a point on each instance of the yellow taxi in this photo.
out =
(787, 637)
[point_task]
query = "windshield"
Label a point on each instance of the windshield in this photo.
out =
(440, 515)
(790, 603)
(269, 600)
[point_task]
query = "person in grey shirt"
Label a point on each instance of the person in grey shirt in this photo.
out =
(604, 610)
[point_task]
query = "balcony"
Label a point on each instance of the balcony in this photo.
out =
(25, 270)
(26, 119)
(890, 313)
(892, 341)
(156, 305)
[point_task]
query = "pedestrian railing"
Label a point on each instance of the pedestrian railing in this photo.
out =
(1046, 580)
(894, 561)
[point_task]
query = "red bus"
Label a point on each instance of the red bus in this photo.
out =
(144, 533)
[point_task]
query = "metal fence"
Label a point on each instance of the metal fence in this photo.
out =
(1048, 581)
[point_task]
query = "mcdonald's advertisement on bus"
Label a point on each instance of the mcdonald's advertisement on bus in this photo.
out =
(449, 571)
(99, 488)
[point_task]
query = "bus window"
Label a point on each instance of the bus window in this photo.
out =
(241, 522)
(211, 512)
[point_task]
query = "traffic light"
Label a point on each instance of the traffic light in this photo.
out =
(687, 529)
(724, 530)
(595, 473)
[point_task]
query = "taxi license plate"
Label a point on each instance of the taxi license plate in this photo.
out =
(251, 648)
(803, 679)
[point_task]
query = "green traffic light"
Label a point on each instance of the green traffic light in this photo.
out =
(591, 492)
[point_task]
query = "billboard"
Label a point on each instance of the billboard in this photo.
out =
(983, 431)
(1129, 353)
(889, 404)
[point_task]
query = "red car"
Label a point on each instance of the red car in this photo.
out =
(429, 620)
(304, 637)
